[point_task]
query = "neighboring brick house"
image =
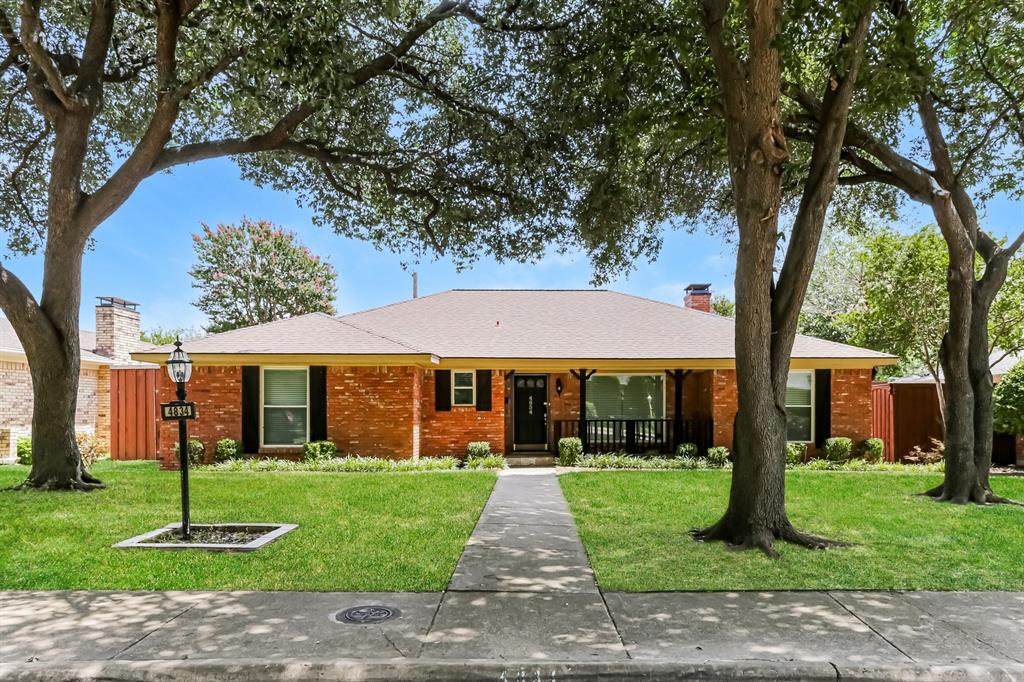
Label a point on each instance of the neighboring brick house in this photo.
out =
(116, 336)
(515, 368)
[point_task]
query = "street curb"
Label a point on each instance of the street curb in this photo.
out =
(249, 670)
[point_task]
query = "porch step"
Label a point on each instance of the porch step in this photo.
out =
(538, 460)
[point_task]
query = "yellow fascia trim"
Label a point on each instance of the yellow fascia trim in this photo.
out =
(214, 359)
(637, 365)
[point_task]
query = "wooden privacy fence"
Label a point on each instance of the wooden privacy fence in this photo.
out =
(133, 413)
(907, 414)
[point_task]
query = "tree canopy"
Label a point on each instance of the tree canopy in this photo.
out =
(886, 290)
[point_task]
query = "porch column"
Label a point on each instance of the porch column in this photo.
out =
(583, 410)
(417, 410)
(677, 410)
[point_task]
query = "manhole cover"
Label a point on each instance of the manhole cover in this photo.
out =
(366, 615)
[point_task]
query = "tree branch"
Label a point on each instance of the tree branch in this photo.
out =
(97, 45)
(31, 40)
(820, 183)
(21, 308)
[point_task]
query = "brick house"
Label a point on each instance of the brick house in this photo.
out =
(516, 368)
(116, 336)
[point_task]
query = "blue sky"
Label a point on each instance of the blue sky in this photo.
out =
(143, 252)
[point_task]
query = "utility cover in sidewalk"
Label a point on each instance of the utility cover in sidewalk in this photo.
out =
(366, 615)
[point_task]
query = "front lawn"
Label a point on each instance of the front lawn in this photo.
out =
(357, 532)
(634, 527)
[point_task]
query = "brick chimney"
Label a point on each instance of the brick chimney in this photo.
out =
(117, 328)
(698, 297)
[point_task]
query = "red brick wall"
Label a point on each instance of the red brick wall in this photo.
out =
(370, 410)
(448, 432)
(723, 405)
(217, 393)
(851, 403)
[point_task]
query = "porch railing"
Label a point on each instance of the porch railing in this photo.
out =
(637, 435)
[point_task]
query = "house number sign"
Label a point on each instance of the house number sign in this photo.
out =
(177, 410)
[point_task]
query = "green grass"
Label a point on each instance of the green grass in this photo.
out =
(634, 526)
(373, 532)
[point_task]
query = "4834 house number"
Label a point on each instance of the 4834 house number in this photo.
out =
(178, 410)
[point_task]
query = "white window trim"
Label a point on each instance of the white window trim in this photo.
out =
(263, 407)
(664, 386)
(472, 373)
(814, 396)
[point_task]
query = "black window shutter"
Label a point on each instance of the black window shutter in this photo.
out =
(442, 390)
(822, 406)
(483, 390)
(318, 403)
(251, 410)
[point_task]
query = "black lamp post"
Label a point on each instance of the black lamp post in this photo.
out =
(179, 368)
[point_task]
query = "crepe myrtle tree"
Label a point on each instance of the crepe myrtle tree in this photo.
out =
(942, 123)
(254, 272)
(388, 118)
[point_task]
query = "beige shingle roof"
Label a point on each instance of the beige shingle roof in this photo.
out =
(312, 334)
(582, 323)
(522, 324)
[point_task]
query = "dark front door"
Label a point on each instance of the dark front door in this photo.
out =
(531, 410)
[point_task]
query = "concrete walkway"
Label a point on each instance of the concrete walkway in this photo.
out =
(522, 605)
(523, 587)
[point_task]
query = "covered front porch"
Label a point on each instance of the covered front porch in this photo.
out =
(610, 411)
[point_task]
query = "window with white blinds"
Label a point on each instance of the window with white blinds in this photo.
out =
(626, 396)
(800, 406)
(285, 406)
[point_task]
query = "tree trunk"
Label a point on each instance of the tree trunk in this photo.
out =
(981, 385)
(50, 336)
(960, 484)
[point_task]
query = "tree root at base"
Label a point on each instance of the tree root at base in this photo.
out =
(81, 484)
(762, 539)
(980, 496)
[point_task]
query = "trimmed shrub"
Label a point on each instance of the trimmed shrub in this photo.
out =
(477, 449)
(838, 449)
(339, 465)
(486, 462)
(873, 449)
(718, 457)
(319, 449)
(795, 453)
(686, 450)
(196, 451)
(570, 450)
(23, 446)
(90, 447)
(227, 448)
(1008, 401)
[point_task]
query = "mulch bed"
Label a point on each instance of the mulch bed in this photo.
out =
(211, 536)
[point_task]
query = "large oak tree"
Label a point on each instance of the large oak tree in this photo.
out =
(943, 125)
(678, 117)
(390, 118)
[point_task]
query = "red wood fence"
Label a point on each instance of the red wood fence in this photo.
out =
(133, 413)
(907, 414)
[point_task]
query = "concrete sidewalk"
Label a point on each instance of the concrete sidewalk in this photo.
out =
(290, 635)
(523, 605)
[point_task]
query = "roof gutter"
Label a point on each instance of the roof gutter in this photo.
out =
(425, 360)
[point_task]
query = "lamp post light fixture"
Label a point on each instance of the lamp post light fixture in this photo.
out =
(179, 369)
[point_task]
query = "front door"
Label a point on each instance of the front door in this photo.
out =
(531, 410)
